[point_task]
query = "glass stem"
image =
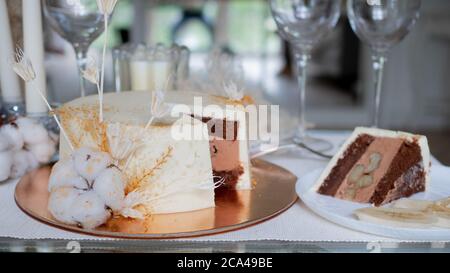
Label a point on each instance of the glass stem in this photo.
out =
(378, 66)
(81, 55)
(302, 62)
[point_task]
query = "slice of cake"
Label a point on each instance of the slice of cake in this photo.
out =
(172, 174)
(377, 166)
(227, 129)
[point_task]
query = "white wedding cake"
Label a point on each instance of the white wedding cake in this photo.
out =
(171, 172)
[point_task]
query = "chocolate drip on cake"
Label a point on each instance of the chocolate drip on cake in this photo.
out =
(404, 177)
(345, 164)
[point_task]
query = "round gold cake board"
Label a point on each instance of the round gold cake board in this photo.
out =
(273, 192)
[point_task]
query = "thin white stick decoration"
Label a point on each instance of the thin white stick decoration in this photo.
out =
(23, 67)
(106, 7)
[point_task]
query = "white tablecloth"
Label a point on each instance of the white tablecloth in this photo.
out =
(296, 224)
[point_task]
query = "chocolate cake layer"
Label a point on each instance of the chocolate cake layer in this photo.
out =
(345, 164)
(407, 157)
(230, 178)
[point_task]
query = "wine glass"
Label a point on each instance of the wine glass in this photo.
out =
(381, 24)
(79, 22)
(303, 23)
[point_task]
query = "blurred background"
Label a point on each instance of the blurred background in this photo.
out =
(416, 93)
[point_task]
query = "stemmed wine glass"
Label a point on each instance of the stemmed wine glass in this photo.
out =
(303, 23)
(79, 22)
(381, 24)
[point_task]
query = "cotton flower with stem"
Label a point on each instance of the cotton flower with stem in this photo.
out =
(106, 7)
(23, 67)
(91, 75)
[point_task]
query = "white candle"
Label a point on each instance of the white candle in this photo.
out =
(34, 48)
(159, 75)
(139, 75)
(9, 81)
(150, 75)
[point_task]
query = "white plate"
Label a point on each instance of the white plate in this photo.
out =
(341, 212)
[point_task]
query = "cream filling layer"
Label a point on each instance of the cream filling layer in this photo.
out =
(354, 188)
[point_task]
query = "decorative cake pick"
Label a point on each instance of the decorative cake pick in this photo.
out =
(233, 91)
(225, 73)
(91, 75)
(158, 109)
(22, 65)
(106, 8)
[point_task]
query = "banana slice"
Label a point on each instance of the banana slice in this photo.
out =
(441, 209)
(445, 203)
(443, 219)
(398, 217)
(406, 203)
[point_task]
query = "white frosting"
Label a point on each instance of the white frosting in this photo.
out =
(184, 181)
(421, 140)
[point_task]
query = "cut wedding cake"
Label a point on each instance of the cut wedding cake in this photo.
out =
(377, 166)
(176, 163)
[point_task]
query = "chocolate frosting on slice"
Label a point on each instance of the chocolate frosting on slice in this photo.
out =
(407, 156)
(409, 183)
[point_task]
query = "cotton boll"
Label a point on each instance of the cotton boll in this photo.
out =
(110, 186)
(89, 163)
(33, 163)
(15, 138)
(64, 175)
(32, 131)
(60, 204)
(20, 164)
(6, 162)
(5, 142)
(89, 210)
(43, 151)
